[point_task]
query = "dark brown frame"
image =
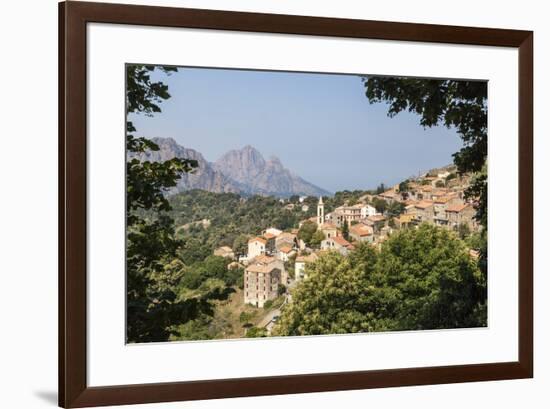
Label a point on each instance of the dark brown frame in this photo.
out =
(73, 389)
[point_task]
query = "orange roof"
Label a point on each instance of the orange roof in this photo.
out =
(263, 259)
(269, 236)
(260, 268)
(327, 225)
(424, 204)
(457, 208)
(341, 241)
(361, 230)
(376, 218)
(388, 193)
(309, 258)
(260, 239)
(442, 199)
(285, 249)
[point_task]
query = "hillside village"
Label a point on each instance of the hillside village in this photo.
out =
(276, 260)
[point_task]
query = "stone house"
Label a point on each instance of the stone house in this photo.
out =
(424, 211)
(300, 265)
(285, 252)
(337, 243)
(224, 251)
(262, 277)
(462, 213)
(256, 247)
(362, 233)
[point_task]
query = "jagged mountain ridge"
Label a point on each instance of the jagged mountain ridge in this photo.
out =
(248, 167)
(239, 171)
(204, 177)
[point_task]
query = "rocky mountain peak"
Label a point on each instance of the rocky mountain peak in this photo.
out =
(240, 170)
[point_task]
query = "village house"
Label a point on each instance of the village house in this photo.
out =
(286, 238)
(368, 210)
(441, 203)
(390, 196)
(362, 233)
(329, 230)
(300, 265)
(273, 231)
(461, 214)
(234, 265)
(262, 277)
(270, 247)
(337, 243)
(224, 251)
(285, 252)
(350, 214)
(424, 211)
(376, 222)
(404, 220)
(256, 247)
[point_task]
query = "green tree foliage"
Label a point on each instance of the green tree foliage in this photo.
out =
(463, 230)
(452, 103)
(154, 297)
(307, 231)
(421, 279)
(255, 332)
(394, 209)
(439, 284)
(379, 204)
(345, 230)
(316, 239)
(450, 176)
(404, 186)
(380, 189)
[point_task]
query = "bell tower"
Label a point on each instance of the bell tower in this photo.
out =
(320, 212)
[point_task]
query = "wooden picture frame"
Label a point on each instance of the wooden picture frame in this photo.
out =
(73, 388)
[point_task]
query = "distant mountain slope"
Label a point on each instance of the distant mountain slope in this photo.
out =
(248, 167)
(204, 177)
(239, 171)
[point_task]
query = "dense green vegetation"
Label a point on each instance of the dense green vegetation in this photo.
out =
(421, 279)
(452, 103)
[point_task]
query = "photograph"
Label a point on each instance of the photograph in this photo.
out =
(271, 203)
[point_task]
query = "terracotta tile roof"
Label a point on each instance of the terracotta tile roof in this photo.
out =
(405, 218)
(263, 259)
(376, 218)
(326, 226)
(341, 241)
(225, 248)
(260, 239)
(388, 193)
(269, 236)
(457, 208)
(424, 204)
(285, 249)
(361, 230)
(260, 268)
(286, 236)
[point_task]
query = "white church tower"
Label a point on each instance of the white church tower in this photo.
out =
(320, 212)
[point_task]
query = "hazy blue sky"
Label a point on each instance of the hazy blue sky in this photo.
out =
(321, 126)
